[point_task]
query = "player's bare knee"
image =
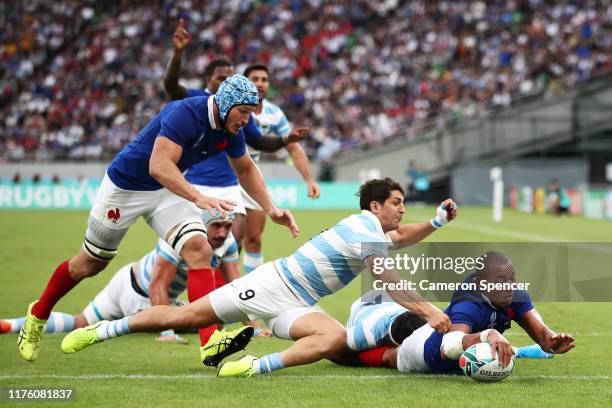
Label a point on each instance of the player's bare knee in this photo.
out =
(252, 243)
(197, 250)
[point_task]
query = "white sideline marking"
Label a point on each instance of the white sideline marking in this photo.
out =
(502, 232)
(94, 377)
(574, 334)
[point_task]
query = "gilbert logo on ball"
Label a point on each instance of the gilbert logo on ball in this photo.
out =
(477, 363)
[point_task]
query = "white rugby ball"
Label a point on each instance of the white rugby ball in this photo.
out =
(477, 363)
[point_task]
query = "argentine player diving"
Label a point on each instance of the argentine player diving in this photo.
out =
(284, 292)
(391, 336)
(145, 179)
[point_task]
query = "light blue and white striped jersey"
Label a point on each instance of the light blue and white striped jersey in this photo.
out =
(369, 324)
(333, 258)
(228, 252)
(271, 121)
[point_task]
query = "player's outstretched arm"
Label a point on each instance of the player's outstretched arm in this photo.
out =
(410, 234)
(300, 161)
(410, 299)
(161, 276)
(271, 144)
(550, 341)
(180, 40)
(459, 338)
(252, 180)
(163, 168)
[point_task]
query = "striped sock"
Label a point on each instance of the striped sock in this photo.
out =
(12, 325)
(266, 364)
(115, 328)
(252, 260)
(59, 323)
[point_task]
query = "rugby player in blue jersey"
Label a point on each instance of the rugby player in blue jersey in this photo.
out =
(145, 179)
(268, 131)
(284, 292)
(476, 317)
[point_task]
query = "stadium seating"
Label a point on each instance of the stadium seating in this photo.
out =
(78, 79)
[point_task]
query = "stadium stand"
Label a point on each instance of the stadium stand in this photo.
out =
(79, 78)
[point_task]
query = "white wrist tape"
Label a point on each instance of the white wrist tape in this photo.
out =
(452, 344)
(484, 336)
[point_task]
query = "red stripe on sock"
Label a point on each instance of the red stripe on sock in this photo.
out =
(200, 282)
(60, 283)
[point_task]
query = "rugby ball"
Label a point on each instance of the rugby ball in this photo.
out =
(478, 364)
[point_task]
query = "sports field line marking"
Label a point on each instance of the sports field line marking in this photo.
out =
(93, 377)
(502, 232)
(575, 334)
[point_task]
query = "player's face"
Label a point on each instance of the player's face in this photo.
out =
(238, 117)
(391, 212)
(218, 232)
(503, 273)
(260, 79)
(219, 75)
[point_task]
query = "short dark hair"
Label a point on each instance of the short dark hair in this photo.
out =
(214, 64)
(255, 67)
(404, 325)
(377, 190)
(492, 261)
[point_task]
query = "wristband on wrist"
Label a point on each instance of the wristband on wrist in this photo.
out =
(484, 336)
(435, 223)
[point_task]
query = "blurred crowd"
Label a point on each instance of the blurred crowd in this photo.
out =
(79, 78)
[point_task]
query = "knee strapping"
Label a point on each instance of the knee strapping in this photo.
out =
(183, 232)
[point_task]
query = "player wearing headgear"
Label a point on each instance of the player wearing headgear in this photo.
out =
(158, 278)
(268, 130)
(476, 317)
(284, 292)
(145, 179)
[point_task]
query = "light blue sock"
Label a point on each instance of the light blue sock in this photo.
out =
(56, 323)
(252, 260)
(59, 323)
(271, 362)
(115, 328)
(533, 351)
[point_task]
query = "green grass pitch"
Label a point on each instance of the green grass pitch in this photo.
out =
(136, 371)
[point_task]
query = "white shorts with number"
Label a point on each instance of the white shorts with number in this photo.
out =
(115, 210)
(118, 299)
(249, 203)
(410, 355)
(261, 294)
(232, 193)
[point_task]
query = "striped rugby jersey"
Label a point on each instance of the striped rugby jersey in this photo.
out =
(333, 258)
(369, 324)
(271, 121)
(228, 252)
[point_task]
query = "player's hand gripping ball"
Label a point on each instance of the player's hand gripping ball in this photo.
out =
(477, 363)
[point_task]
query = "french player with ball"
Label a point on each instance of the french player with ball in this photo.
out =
(474, 345)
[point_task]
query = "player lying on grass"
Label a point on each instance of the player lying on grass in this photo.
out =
(476, 317)
(284, 292)
(145, 179)
(376, 321)
(158, 278)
